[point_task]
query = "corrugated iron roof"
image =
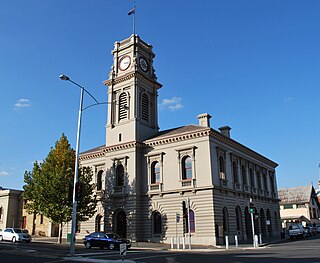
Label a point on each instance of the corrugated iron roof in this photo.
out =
(296, 195)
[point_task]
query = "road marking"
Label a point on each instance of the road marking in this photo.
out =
(156, 256)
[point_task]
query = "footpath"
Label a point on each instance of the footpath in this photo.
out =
(163, 246)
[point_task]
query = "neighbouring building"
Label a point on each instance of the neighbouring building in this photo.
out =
(318, 192)
(299, 205)
(155, 184)
(10, 208)
(39, 225)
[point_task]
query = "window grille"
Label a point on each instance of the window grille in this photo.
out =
(123, 105)
(145, 107)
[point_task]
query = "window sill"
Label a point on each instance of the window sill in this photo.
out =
(155, 187)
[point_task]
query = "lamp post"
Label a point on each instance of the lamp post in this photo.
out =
(75, 180)
(76, 171)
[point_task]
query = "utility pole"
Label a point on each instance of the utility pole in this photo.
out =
(252, 210)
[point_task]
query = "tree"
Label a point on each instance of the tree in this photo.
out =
(48, 188)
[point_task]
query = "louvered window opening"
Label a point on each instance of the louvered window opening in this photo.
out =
(123, 106)
(145, 107)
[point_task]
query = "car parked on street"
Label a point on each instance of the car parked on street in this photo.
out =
(297, 231)
(310, 231)
(15, 235)
(102, 240)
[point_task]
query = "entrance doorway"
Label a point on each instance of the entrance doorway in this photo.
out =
(120, 226)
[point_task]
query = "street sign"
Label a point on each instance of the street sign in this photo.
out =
(123, 249)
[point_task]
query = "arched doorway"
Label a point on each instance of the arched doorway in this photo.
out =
(225, 216)
(239, 222)
(98, 226)
(120, 223)
(269, 223)
(248, 223)
(263, 223)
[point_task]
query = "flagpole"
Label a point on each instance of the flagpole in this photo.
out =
(134, 20)
(133, 12)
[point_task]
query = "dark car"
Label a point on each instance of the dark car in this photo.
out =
(102, 240)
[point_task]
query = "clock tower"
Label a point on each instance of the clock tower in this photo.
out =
(132, 93)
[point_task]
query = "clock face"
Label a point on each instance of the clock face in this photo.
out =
(143, 64)
(124, 62)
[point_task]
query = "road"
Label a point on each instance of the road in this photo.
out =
(302, 251)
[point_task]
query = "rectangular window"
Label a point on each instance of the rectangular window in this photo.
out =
(288, 206)
(301, 205)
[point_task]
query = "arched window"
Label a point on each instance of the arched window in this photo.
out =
(225, 221)
(269, 222)
(238, 218)
(123, 105)
(186, 168)
(99, 180)
(244, 175)
(222, 169)
(235, 172)
(192, 221)
(98, 223)
(157, 223)
(272, 182)
(155, 172)
(258, 179)
(145, 107)
(262, 222)
(1, 213)
(265, 182)
(120, 175)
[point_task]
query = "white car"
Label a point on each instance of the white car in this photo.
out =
(15, 235)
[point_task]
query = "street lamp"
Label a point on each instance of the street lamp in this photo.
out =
(75, 180)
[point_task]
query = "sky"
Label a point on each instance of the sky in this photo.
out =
(252, 65)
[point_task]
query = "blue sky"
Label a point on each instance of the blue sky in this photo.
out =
(252, 65)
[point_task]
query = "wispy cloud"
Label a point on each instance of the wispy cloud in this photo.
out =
(172, 104)
(4, 173)
(289, 99)
(22, 103)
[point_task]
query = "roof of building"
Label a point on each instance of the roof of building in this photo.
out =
(177, 131)
(296, 195)
(96, 149)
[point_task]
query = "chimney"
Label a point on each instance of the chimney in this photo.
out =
(204, 120)
(225, 130)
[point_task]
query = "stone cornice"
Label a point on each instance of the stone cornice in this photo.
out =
(217, 135)
(177, 138)
(131, 75)
(104, 150)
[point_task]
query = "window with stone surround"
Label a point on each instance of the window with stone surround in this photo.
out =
(186, 168)
(119, 175)
(244, 175)
(235, 172)
(99, 180)
(222, 168)
(155, 170)
(187, 171)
